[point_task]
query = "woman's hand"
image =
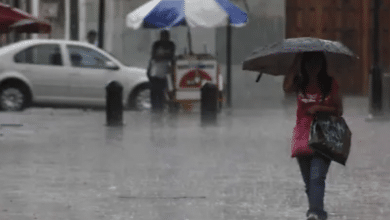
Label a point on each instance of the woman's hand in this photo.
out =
(314, 109)
(320, 108)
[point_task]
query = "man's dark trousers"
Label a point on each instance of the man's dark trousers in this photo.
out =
(158, 86)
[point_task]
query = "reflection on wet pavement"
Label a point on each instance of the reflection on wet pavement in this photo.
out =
(170, 167)
(114, 134)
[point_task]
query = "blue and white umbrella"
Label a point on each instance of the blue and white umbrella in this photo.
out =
(164, 14)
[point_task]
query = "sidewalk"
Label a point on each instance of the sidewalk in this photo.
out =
(65, 164)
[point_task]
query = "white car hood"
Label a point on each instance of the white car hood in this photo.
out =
(137, 70)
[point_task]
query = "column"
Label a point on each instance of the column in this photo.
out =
(67, 19)
(35, 12)
(28, 9)
(82, 20)
(110, 27)
(17, 36)
(365, 58)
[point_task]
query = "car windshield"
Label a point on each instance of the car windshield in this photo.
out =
(115, 57)
(6, 48)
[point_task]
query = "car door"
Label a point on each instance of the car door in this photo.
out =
(89, 75)
(43, 65)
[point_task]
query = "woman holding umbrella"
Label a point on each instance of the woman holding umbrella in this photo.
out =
(316, 92)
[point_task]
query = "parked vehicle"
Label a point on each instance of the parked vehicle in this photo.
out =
(62, 72)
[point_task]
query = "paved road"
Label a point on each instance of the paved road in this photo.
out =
(65, 164)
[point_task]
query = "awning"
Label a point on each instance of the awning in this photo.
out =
(20, 21)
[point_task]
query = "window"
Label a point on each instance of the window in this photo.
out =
(45, 54)
(86, 58)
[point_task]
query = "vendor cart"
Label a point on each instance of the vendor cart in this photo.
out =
(189, 74)
(191, 71)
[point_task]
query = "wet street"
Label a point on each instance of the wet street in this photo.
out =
(65, 164)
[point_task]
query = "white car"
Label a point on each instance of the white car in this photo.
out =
(65, 72)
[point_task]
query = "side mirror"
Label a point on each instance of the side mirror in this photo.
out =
(111, 65)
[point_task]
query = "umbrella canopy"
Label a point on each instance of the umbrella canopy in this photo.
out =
(274, 59)
(194, 13)
(10, 16)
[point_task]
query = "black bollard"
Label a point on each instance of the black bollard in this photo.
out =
(114, 105)
(209, 103)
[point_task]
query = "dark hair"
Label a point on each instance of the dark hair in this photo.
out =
(164, 33)
(92, 33)
(324, 81)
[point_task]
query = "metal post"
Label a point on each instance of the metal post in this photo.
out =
(101, 23)
(189, 38)
(376, 71)
(228, 64)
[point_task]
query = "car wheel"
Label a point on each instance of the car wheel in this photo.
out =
(140, 100)
(13, 98)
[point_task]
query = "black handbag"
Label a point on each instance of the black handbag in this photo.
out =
(331, 137)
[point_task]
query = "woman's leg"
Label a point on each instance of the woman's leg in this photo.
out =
(304, 165)
(318, 171)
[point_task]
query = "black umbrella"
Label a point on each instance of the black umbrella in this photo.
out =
(275, 59)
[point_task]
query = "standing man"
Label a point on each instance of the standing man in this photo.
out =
(92, 37)
(160, 65)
